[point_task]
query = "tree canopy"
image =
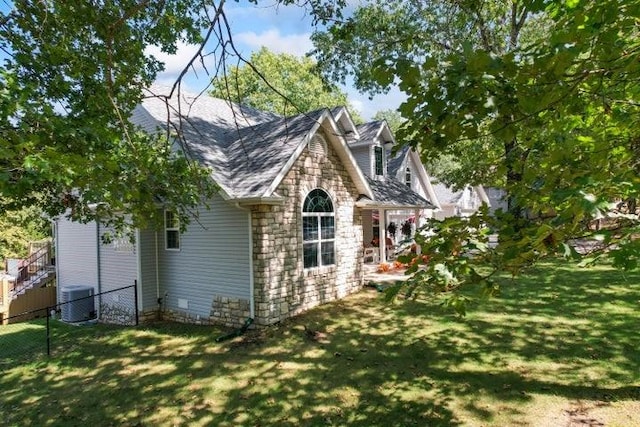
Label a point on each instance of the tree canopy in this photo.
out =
(392, 117)
(281, 83)
(18, 228)
(71, 74)
(539, 97)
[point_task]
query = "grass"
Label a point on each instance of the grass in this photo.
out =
(558, 347)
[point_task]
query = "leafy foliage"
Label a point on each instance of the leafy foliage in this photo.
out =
(73, 74)
(280, 83)
(392, 117)
(18, 228)
(537, 97)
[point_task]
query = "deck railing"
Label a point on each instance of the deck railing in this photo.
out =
(34, 268)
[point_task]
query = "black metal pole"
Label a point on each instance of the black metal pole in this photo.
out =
(48, 332)
(135, 298)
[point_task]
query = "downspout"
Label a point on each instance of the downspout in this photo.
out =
(54, 230)
(251, 272)
(139, 269)
(98, 276)
(157, 274)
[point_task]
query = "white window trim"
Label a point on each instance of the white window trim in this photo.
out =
(320, 240)
(167, 229)
(375, 148)
(409, 172)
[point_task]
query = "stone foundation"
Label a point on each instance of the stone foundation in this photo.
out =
(184, 317)
(229, 311)
(115, 314)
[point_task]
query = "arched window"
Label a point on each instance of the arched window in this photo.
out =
(318, 230)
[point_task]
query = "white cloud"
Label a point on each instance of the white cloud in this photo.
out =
(174, 64)
(295, 44)
(369, 107)
(357, 104)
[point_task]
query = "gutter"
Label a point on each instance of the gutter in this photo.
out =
(258, 201)
(98, 277)
(157, 271)
(139, 269)
(54, 227)
(373, 206)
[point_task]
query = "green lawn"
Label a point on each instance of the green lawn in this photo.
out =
(560, 347)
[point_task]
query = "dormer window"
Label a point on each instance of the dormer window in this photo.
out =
(407, 177)
(378, 161)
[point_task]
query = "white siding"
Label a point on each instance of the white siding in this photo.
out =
(118, 262)
(213, 260)
(363, 158)
(148, 285)
(416, 184)
(76, 254)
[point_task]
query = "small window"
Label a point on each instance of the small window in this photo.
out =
(171, 231)
(378, 160)
(318, 230)
(407, 177)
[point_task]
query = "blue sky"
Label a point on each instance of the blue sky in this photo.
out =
(280, 29)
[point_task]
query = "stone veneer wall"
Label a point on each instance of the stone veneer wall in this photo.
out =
(117, 314)
(282, 287)
(232, 312)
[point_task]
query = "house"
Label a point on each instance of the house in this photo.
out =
(284, 233)
(497, 199)
(401, 185)
(464, 202)
(406, 167)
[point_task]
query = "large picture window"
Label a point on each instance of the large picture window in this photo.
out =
(379, 161)
(171, 231)
(318, 230)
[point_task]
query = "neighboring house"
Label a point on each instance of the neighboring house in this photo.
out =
(397, 200)
(284, 234)
(464, 202)
(497, 199)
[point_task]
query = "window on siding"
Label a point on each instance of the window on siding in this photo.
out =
(378, 160)
(171, 231)
(318, 230)
(407, 177)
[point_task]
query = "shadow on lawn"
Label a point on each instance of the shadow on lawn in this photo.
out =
(367, 364)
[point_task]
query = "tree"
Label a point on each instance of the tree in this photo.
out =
(72, 73)
(384, 42)
(18, 228)
(539, 96)
(392, 117)
(281, 83)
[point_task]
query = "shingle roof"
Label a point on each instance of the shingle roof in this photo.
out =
(446, 195)
(258, 153)
(369, 131)
(245, 148)
(394, 164)
(392, 193)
